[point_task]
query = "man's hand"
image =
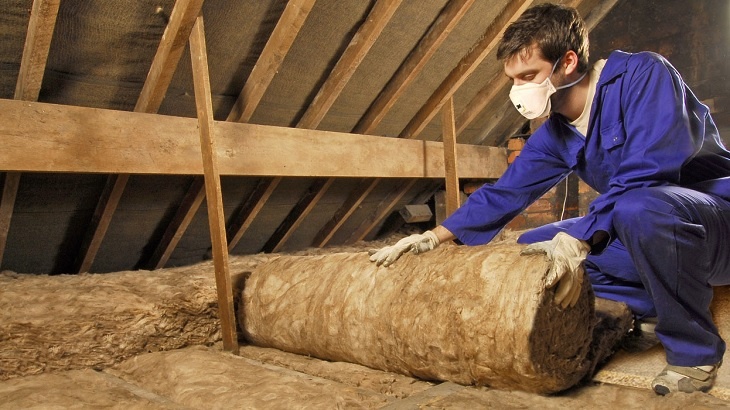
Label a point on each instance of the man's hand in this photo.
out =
(567, 255)
(417, 243)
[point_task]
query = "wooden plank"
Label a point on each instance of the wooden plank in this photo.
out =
(464, 68)
(37, 45)
(7, 204)
(381, 212)
(216, 219)
(406, 73)
(177, 226)
(296, 215)
(351, 204)
(277, 47)
(164, 64)
(412, 66)
(453, 197)
(351, 58)
(169, 52)
(42, 23)
(338, 78)
(41, 137)
(100, 221)
(253, 205)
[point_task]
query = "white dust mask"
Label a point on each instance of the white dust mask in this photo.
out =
(532, 100)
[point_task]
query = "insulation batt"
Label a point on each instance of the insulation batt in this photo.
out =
(471, 315)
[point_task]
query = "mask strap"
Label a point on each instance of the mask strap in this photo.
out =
(566, 85)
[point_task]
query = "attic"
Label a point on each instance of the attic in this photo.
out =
(327, 117)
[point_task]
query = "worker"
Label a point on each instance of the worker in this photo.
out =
(657, 236)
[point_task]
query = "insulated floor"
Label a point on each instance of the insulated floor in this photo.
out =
(207, 378)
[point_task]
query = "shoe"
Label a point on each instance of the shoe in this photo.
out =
(685, 379)
(641, 336)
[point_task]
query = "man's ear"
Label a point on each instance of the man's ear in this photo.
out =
(570, 62)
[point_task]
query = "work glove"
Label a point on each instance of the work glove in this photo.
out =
(566, 270)
(416, 243)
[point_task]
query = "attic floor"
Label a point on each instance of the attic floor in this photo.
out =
(206, 377)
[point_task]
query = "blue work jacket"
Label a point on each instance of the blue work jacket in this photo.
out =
(646, 128)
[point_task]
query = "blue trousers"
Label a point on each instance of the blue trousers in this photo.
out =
(672, 247)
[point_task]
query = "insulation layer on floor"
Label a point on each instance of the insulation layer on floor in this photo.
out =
(208, 378)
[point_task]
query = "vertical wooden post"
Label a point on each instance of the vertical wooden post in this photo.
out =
(216, 220)
(453, 200)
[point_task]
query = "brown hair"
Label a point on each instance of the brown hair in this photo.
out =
(554, 28)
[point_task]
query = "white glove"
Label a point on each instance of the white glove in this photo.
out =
(416, 243)
(567, 255)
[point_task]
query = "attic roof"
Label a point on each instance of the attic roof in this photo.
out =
(380, 68)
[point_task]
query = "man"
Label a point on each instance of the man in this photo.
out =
(657, 236)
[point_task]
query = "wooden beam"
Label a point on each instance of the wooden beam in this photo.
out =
(412, 66)
(37, 45)
(40, 137)
(169, 52)
(277, 47)
(453, 197)
(164, 64)
(7, 203)
(296, 215)
(350, 60)
(406, 73)
(351, 204)
(338, 78)
(253, 205)
(42, 23)
(382, 211)
(101, 219)
(216, 219)
(179, 223)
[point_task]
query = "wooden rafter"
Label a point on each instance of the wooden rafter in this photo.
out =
(444, 92)
(346, 66)
(596, 14)
(406, 73)
(164, 64)
(282, 37)
(28, 87)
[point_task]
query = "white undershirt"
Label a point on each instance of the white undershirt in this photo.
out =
(581, 123)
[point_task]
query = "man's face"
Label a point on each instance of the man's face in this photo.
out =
(528, 67)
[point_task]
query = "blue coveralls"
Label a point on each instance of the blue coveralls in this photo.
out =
(656, 158)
